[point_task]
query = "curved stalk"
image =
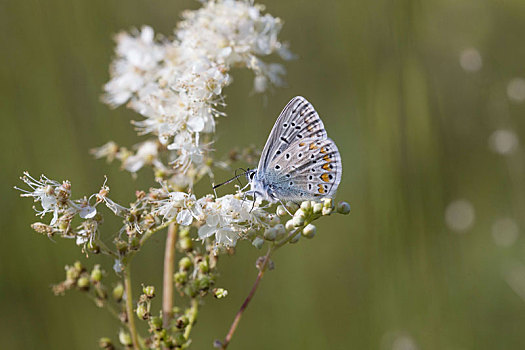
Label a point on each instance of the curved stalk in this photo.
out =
(129, 308)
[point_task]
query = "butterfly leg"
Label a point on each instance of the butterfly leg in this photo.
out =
(284, 206)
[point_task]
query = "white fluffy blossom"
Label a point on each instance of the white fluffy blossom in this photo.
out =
(176, 84)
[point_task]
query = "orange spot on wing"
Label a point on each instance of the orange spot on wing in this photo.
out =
(310, 128)
(327, 159)
(321, 189)
(326, 167)
(301, 144)
(313, 146)
(323, 150)
(324, 177)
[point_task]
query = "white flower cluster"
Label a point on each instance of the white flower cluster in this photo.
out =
(228, 217)
(177, 84)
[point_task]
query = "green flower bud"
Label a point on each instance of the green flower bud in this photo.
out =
(306, 206)
(181, 277)
(295, 238)
(191, 289)
(118, 292)
(122, 246)
(93, 247)
(270, 234)
(142, 312)
(258, 242)
(83, 283)
(317, 208)
(72, 273)
(124, 338)
(185, 263)
(78, 266)
(309, 231)
(179, 339)
(327, 210)
(203, 266)
(289, 225)
(149, 291)
(186, 244)
(105, 343)
(250, 233)
(292, 207)
(134, 243)
(204, 283)
(343, 208)
(220, 293)
(96, 274)
(182, 322)
(156, 322)
(184, 232)
(281, 211)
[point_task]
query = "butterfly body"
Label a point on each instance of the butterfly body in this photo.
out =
(299, 162)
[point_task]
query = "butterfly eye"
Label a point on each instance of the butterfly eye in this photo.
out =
(252, 175)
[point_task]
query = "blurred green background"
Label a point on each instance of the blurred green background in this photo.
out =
(413, 92)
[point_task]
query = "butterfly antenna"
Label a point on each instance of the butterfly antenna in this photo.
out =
(284, 206)
(230, 180)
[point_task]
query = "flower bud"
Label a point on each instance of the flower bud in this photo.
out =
(156, 322)
(78, 266)
(149, 291)
(281, 211)
(134, 243)
(186, 244)
(181, 277)
(306, 205)
(317, 208)
(273, 220)
(96, 274)
(122, 246)
(83, 283)
(327, 210)
(124, 338)
(270, 234)
(250, 233)
(298, 220)
(258, 242)
(184, 231)
(220, 293)
(295, 238)
(309, 231)
(118, 292)
(204, 283)
(327, 202)
(182, 322)
(72, 273)
(105, 343)
(142, 312)
(343, 208)
(204, 267)
(292, 207)
(93, 247)
(289, 225)
(280, 231)
(185, 263)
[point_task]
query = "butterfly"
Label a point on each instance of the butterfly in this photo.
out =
(299, 162)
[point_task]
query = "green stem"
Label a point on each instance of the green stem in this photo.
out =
(169, 270)
(193, 317)
(129, 308)
(151, 231)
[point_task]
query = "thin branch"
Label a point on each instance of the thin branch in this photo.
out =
(129, 308)
(193, 318)
(169, 269)
(247, 300)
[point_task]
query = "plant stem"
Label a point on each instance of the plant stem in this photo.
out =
(129, 308)
(167, 286)
(247, 300)
(193, 317)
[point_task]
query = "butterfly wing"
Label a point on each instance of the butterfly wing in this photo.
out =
(297, 121)
(307, 169)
